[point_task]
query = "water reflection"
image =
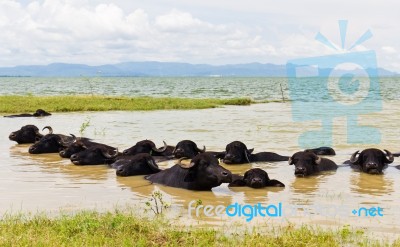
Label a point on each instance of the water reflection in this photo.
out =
(377, 185)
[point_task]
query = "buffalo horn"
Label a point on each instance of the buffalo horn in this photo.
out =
(201, 150)
(247, 156)
(152, 165)
(354, 158)
(160, 150)
(185, 166)
(390, 157)
(49, 128)
(110, 156)
(318, 160)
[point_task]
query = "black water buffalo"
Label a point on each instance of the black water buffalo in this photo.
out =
(80, 144)
(254, 178)
(38, 113)
(237, 153)
(322, 151)
(371, 160)
(27, 134)
(139, 164)
(308, 163)
(50, 143)
(147, 146)
(95, 156)
(188, 149)
(203, 173)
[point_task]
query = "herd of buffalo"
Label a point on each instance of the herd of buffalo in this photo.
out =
(204, 171)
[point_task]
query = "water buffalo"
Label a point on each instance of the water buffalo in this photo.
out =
(80, 144)
(254, 178)
(308, 163)
(187, 148)
(139, 164)
(38, 113)
(95, 156)
(147, 146)
(50, 143)
(203, 173)
(237, 153)
(371, 160)
(322, 151)
(27, 134)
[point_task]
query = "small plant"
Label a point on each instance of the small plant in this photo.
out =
(198, 203)
(156, 203)
(84, 125)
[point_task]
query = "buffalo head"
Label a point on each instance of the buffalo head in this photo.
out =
(237, 153)
(27, 134)
(50, 143)
(204, 170)
(139, 164)
(255, 178)
(145, 146)
(372, 160)
(41, 113)
(305, 162)
(94, 156)
(187, 148)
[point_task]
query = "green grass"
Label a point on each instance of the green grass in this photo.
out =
(29, 104)
(119, 228)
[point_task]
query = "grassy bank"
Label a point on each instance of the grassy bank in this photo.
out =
(22, 104)
(126, 229)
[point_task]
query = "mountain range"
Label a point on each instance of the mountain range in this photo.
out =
(154, 69)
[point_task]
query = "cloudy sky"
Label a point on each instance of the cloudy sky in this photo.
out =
(195, 31)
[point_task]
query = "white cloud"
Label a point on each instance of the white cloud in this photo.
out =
(105, 31)
(389, 50)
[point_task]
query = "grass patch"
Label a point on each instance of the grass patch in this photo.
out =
(119, 228)
(29, 104)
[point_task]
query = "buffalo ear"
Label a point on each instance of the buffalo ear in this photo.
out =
(290, 161)
(190, 177)
(249, 151)
(237, 183)
(275, 183)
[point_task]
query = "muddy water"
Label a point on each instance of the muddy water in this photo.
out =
(49, 183)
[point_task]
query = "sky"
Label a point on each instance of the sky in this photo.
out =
(100, 32)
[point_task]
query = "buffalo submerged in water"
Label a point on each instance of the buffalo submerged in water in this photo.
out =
(308, 163)
(38, 113)
(255, 178)
(237, 153)
(50, 143)
(27, 134)
(139, 164)
(371, 160)
(203, 173)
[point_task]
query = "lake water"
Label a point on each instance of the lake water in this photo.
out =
(48, 183)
